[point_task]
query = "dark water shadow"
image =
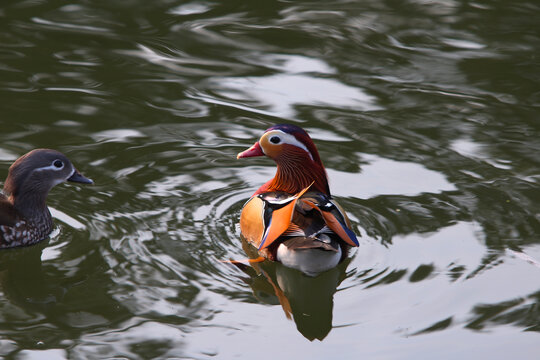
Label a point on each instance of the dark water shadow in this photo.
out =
(52, 303)
(308, 301)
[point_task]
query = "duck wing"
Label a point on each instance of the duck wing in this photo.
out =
(334, 217)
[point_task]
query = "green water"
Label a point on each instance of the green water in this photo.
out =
(425, 115)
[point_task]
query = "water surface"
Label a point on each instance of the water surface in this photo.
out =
(424, 113)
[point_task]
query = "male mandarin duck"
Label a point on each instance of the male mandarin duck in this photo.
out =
(24, 216)
(293, 218)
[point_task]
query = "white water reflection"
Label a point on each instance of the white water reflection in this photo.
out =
(280, 93)
(460, 244)
(6, 155)
(292, 63)
(66, 219)
(50, 354)
(116, 135)
(471, 149)
(298, 84)
(466, 147)
(190, 9)
(383, 176)
(464, 44)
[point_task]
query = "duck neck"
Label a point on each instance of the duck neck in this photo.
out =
(33, 207)
(295, 173)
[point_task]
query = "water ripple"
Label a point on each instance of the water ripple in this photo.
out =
(425, 117)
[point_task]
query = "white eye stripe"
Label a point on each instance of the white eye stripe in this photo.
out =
(53, 166)
(50, 167)
(289, 139)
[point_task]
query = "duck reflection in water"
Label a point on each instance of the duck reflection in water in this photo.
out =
(22, 279)
(55, 300)
(308, 300)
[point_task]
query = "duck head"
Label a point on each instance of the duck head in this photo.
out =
(297, 159)
(33, 175)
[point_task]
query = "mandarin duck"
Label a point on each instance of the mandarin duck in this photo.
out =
(24, 216)
(293, 218)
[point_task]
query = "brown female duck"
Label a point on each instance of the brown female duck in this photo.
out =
(24, 216)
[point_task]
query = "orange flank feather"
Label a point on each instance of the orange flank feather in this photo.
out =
(252, 220)
(280, 221)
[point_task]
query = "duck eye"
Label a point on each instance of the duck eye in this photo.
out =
(58, 164)
(275, 139)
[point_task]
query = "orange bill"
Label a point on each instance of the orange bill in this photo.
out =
(254, 150)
